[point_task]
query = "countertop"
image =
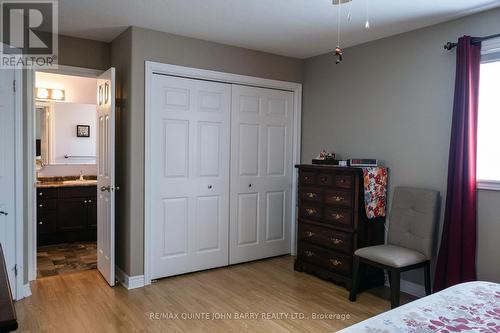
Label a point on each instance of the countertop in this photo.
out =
(58, 182)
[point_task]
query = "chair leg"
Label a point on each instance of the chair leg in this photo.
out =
(395, 276)
(355, 279)
(427, 277)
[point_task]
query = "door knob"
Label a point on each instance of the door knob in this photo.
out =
(105, 188)
(210, 187)
(3, 213)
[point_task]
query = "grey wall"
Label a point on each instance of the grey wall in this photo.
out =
(84, 53)
(171, 49)
(392, 99)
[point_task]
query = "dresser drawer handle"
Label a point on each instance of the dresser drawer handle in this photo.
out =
(309, 253)
(40, 194)
(306, 178)
(311, 211)
(324, 179)
(337, 216)
(342, 180)
(335, 262)
(338, 199)
(311, 195)
(40, 223)
(336, 241)
(40, 205)
(310, 234)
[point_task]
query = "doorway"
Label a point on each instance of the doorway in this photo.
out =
(71, 144)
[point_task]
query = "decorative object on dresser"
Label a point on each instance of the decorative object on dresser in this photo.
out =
(414, 218)
(325, 158)
(333, 224)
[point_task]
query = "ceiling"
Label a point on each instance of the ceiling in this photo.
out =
(296, 28)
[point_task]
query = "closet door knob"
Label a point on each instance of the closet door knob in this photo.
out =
(210, 187)
(3, 213)
(249, 185)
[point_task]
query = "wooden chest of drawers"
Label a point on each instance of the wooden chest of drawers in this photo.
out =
(332, 224)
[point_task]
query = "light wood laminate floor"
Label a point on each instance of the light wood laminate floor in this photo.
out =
(82, 302)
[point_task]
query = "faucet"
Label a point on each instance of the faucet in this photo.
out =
(81, 175)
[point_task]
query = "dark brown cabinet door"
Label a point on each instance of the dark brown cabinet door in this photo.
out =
(92, 213)
(72, 214)
(46, 222)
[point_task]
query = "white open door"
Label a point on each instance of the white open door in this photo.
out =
(7, 173)
(106, 175)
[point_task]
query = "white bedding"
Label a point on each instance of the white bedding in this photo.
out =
(467, 307)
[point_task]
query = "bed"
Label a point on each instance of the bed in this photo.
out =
(467, 307)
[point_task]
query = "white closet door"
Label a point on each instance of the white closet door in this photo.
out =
(261, 173)
(190, 128)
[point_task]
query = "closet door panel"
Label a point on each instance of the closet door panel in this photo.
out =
(261, 141)
(190, 172)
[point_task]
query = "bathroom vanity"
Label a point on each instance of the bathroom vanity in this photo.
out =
(66, 211)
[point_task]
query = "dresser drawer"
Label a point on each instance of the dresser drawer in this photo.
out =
(343, 181)
(338, 197)
(46, 193)
(307, 178)
(330, 260)
(339, 216)
(325, 179)
(46, 204)
(311, 194)
(308, 211)
(336, 240)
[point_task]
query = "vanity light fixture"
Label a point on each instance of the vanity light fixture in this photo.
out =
(50, 94)
(42, 93)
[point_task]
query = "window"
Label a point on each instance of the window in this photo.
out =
(488, 140)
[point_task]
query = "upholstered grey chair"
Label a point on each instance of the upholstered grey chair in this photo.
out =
(413, 221)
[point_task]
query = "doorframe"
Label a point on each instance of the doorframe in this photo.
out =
(151, 68)
(20, 289)
(30, 165)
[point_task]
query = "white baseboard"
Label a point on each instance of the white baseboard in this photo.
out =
(24, 292)
(411, 288)
(129, 282)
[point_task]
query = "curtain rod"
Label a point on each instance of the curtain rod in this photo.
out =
(475, 40)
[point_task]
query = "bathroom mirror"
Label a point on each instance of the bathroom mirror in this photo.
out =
(65, 133)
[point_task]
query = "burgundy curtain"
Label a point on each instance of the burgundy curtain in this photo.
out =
(457, 253)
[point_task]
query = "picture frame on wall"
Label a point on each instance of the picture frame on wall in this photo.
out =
(83, 131)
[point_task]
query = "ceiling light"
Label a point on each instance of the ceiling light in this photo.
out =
(339, 52)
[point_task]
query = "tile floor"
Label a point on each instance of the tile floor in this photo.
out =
(66, 258)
